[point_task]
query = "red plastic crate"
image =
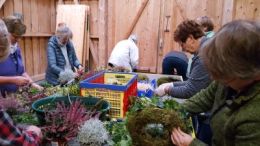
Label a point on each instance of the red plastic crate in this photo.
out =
(116, 95)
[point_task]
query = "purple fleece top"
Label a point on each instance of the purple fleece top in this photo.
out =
(12, 66)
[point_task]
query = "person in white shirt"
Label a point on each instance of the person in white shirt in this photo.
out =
(125, 54)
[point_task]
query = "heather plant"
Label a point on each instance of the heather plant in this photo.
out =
(92, 133)
(62, 123)
(11, 105)
(27, 94)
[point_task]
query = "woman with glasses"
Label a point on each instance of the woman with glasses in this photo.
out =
(232, 58)
(191, 37)
(12, 73)
(10, 134)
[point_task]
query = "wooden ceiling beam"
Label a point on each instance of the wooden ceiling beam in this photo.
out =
(138, 15)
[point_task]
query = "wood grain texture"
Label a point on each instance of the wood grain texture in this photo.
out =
(37, 18)
(109, 25)
(75, 18)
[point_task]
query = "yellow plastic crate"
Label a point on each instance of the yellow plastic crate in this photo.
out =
(100, 86)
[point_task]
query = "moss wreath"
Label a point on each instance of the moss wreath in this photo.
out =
(138, 121)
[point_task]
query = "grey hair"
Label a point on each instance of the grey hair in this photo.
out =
(234, 52)
(133, 37)
(4, 41)
(63, 31)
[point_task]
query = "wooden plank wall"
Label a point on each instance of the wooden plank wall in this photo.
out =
(155, 41)
(39, 17)
(93, 31)
(70, 14)
(111, 19)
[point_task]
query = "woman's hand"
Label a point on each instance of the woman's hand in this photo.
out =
(34, 129)
(21, 81)
(81, 69)
(34, 85)
(163, 89)
(179, 138)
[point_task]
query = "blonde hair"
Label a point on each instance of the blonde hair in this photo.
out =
(4, 41)
(234, 52)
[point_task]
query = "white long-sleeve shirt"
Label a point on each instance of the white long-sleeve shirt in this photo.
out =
(125, 54)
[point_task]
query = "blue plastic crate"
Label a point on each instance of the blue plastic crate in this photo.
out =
(147, 93)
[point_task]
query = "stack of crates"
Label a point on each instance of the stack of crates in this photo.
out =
(116, 88)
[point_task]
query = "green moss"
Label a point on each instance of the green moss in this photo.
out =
(138, 122)
(142, 77)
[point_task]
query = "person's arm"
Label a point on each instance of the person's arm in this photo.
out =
(202, 101)
(180, 138)
(134, 55)
(199, 79)
(34, 85)
(17, 80)
(179, 83)
(11, 135)
(51, 56)
(76, 62)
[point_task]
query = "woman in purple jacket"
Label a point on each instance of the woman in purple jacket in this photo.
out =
(12, 72)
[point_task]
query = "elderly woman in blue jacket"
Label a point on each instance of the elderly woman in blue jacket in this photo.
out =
(62, 59)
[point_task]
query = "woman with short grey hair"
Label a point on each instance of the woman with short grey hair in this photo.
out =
(232, 58)
(62, 59)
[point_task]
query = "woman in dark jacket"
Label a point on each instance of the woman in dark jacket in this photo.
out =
(62, 59)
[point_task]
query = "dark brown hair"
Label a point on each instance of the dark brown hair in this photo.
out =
(206, 23)
(234, 52)
(187, 28)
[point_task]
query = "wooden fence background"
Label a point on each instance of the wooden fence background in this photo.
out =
(155, 40)
(39, 18)
(113, 20)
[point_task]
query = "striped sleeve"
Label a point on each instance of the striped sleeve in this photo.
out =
(198, 79)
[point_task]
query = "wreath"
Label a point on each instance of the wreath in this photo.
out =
(153, 126)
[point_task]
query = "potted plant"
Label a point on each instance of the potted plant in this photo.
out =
(49, 103)
(62, 123)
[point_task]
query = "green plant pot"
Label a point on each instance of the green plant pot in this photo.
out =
(52, 101)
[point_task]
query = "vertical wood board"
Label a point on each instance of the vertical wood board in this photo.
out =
(71, 14)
